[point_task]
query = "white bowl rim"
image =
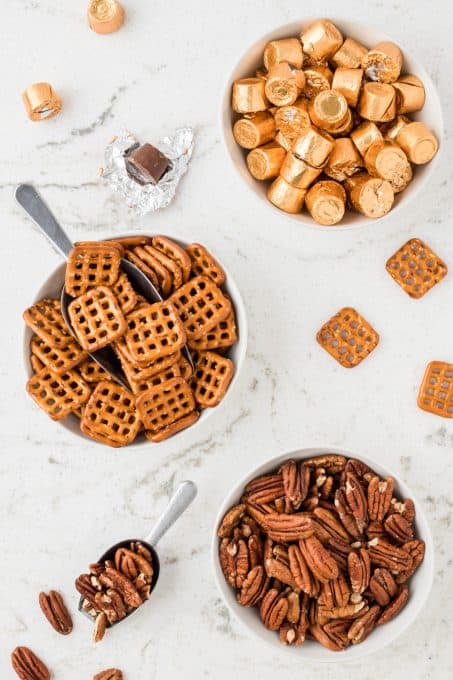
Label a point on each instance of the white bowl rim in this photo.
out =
(303, 218)
(241, 345)
(353, 652)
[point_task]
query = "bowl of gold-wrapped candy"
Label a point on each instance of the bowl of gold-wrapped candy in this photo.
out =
(172, 360)
(331, 122)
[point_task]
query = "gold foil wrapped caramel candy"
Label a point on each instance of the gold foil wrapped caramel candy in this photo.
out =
(297, 172)
(284, 84)
(328, 110)
(41, 102)
(348, 81)
(410, 94)
(249, 95)
(284, 140)
(365, 135)
(378, 102)
(349, 55)
(370, 196)
(105, 16)
(321, 39)
(326, 202)
(254, 130)
(293, 120)
(346, 127)
(288, 49)
(265, 161)
(387, 160)
(383, 63)
(313, 147)
(286, 197)
(344, 161)
(390, 130)
(317, 78)
(418, 142)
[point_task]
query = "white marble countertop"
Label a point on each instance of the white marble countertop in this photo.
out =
(63, 500)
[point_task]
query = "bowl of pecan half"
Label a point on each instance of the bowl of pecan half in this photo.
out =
(320, 551)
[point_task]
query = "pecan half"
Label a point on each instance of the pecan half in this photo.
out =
(337, 630)
(231, 520)
(131, 564)
(363, 626)
(339, 550)
(56, 612)
(319, 560)
(254, 587)
(112, 578)
(406, 509)
(332, 462)
(326, 638)
(398, 528)
(395, 606)
(362, 471)
(296, 482)
(349, 611)
(327, 525)
(335, 593)
(359, 568)
(379, 497)
(234, 560)
(255, 550)
(289, 634)
(273, 609)
(85, 587)
(345, 514)
(356, 500)
(385, 554)
(302, 574)
(279, 570)
(288, 527)
(416, 550)
(109, 674)
(28, 666)
(99, 627)
(383, 586)
(264, 489)
(375, 530)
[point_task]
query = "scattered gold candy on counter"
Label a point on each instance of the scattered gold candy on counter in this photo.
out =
(41, 102)
(326, 119)
(105, 16)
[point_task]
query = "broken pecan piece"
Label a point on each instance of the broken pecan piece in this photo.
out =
(112, 578)
(109, 674)
(28, 666)
(56, 612)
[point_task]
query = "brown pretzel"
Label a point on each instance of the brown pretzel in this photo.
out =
(204, 264)
(165, 404)
(131, 241)
(172, 266)
(176, 253)
(211, 378)
(125, 294)
(201, 305)
(154, 331)
(416, 268)
(222, 335)
(90, 265)
(146, 256)
(59, 359)
(110, 415)
(36, 363)
(136, 371)
(348, 337)
(46, 320)
(91, 371)
(157, 379)
(150, 273)
(174, 428)
(58, 395)
(436, 390)
(96, 318)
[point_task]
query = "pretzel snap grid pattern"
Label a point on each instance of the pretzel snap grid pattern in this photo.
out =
(436, 390)
(154, 331)
(201, 305)
(211, 379)
(59, 359)
(204, 264)
(348, 337)
(58, 395)
(110, 415)
(222, 335)
(96, 318)
(165, 404)
(92, 265)
(416, 268)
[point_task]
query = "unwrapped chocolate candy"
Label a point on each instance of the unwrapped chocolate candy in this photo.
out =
(146, 164)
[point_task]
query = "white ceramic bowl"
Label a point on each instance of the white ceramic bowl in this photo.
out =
(420, 583)
(52, 288)
(431, 114)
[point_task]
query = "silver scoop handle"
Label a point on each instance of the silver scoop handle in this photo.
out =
(180, 501)
(29, 199)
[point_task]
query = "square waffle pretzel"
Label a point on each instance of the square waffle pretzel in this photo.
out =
(201, 305)
(416, 268)
(172, 429)
(110, 415)
(175, 253)
(96, 318)
(157, 379)
(125, 294)
(59, 359)
(154, 331)
(91, 372)
(436, 390)
(165, 404)
(204, 264)
(46, 320)
(211, 378)
(146, 256)
(58, 395)
(136, 371)
(222, 335)
(172, 266)
(348, 337)
(90, 265)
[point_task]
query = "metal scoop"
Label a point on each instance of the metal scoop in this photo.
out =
(29, 199)
(179, 502)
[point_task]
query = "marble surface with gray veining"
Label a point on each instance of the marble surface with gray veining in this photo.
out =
(64, 499)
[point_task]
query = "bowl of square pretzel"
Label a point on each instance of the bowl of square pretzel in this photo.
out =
(321, 551)
(178, 357)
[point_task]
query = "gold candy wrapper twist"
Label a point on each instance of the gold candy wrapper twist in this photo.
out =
(324, 105)
(41, 102)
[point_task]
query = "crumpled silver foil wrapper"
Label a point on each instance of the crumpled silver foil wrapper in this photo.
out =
(177, 148)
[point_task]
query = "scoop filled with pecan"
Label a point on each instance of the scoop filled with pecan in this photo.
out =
(323, 548)
(125, 575)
